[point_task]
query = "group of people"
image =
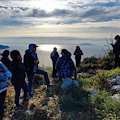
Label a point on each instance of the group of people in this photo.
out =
(66, 57)
(16, 70)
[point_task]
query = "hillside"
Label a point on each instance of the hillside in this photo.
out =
(93, 100)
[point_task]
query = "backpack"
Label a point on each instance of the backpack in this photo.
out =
(65, 69)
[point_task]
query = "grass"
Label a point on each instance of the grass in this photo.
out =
(70, 104)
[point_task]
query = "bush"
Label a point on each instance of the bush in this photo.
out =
(104, 105)
(91, 59)
(100, 82)
(115, 71)
(74, 99)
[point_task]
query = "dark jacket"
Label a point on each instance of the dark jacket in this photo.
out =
(29, 62)
(5, 60)
(60, 61)
(78, 54)
(116, 48)
(54, 56)
(18, 72)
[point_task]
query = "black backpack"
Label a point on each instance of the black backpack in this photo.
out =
(65, 69)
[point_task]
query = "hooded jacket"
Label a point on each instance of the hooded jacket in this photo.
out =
(29, 59)
(60, 61)
(4, 81)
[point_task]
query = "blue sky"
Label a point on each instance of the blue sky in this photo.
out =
(84, 19)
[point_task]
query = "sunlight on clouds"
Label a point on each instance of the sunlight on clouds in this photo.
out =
(47, 5)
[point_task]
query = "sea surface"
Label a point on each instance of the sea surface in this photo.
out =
(45, 48)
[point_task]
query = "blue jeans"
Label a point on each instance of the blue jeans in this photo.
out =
(17, 88)
(31, 76)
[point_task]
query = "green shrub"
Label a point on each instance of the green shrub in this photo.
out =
(74, 99)
(105, 105)
(100, 81)
(91, 59)
(115, 71)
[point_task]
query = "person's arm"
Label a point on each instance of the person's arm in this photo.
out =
(27, 62)
(113, 45)
(4, 75)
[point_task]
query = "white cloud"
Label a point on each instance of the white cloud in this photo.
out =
(78, 18)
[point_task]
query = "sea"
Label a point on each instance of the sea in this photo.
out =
(45, 48)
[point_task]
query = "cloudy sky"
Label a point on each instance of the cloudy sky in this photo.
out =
(85, 19)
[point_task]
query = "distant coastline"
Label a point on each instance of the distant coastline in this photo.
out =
(3, 47)
(87, 44)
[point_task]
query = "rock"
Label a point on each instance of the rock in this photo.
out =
(116, 96)
(118, 80)
(43, 108)
(111, 81)
(116, 87)
(93, 91)
(27, 112)
(49, 98)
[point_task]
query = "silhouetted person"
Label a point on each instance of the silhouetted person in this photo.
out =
(18, 77)
(5, 59)
(78, 53)
(116, 51)
(54, 56)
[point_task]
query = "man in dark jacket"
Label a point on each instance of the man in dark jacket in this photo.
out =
(116, 51)
(54, 56)
(31, 65)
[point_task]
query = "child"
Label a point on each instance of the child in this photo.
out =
(18, 77)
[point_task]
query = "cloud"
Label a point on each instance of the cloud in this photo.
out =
(67, 17)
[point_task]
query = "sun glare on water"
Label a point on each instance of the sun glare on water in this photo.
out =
(48, 47)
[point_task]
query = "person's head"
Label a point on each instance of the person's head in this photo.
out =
(64, 52)
(32, 48)
(54, 49)
(6, 53)
(117, 37)
(77, 47)
(15, 54)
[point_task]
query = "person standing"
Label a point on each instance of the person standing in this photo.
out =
(5, 59)
(18, 77)
(5, 76)
(54, 56)
(116, 51)
(31, 65)
(78, 53)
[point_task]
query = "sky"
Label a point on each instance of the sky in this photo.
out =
(83, 19)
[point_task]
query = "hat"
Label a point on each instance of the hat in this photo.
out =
(34, 45)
